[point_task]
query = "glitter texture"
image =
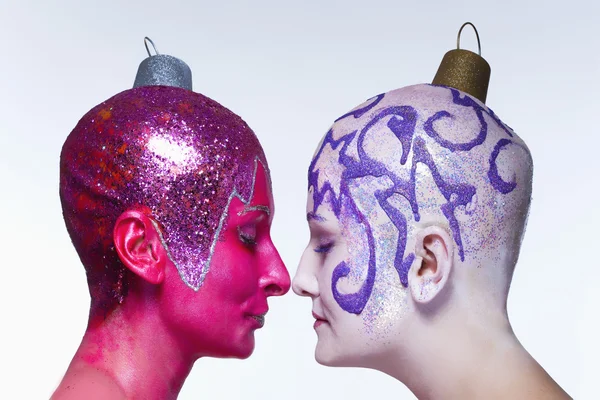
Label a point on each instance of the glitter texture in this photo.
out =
(176, 154)
(164, 70)
(414, 156)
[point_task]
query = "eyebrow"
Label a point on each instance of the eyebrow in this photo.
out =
(248, 209)
(313, 216)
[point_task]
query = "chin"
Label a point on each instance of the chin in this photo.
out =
(244, 348)
(328, 357)
(240, 348)
(334, 360)
(243, 354)
(323, 360)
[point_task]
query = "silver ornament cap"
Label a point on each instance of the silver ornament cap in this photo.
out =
(162, 70)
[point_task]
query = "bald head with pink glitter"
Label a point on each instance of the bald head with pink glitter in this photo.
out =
(176, 155)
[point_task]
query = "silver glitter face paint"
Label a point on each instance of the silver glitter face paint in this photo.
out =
(246, 201)
(248, 209)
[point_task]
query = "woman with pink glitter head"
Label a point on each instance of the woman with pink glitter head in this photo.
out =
(167, 198)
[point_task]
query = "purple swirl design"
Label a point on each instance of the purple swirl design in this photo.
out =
(362, 111)
(402, 124)
(465, 101)
(495, 179)
(355, 302)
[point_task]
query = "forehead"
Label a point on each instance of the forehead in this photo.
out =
(260, 197)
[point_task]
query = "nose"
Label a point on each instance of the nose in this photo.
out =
(305, 282)
(276, 279)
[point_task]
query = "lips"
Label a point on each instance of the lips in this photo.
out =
(319, 320)
(318, 317)
(260, 319)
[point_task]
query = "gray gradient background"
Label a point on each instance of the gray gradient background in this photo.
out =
(289, 69)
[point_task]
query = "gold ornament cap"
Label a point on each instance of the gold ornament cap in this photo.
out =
(465, 70)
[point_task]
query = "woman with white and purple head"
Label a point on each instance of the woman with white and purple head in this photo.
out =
(417, 205)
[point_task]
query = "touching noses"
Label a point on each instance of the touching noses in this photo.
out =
(276, 279)
(305, 282)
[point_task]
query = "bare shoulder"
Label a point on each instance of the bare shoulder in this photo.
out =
(89, 384)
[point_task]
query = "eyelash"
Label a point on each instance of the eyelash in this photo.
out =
(324, 248)
(247, 239)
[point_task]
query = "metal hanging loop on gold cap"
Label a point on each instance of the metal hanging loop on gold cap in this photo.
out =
(457, 37)
(465, 70)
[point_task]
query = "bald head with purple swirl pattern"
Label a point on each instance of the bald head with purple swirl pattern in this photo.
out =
(175, 154)
(403, 161)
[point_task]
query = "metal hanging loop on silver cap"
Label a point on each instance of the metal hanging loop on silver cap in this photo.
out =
(162, 70)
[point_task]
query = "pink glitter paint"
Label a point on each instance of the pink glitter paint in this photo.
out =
(179, 155)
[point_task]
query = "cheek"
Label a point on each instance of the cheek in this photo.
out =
(356, 250)
(356, 257)
(387, 302)
(236, 268)
(326, 268)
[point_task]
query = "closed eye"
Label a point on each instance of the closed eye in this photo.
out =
(324, 248)
(247, 235)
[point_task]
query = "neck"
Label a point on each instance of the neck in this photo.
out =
(461, 359)
(133, 348)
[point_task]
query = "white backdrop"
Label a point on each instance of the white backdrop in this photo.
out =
(289, 68)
